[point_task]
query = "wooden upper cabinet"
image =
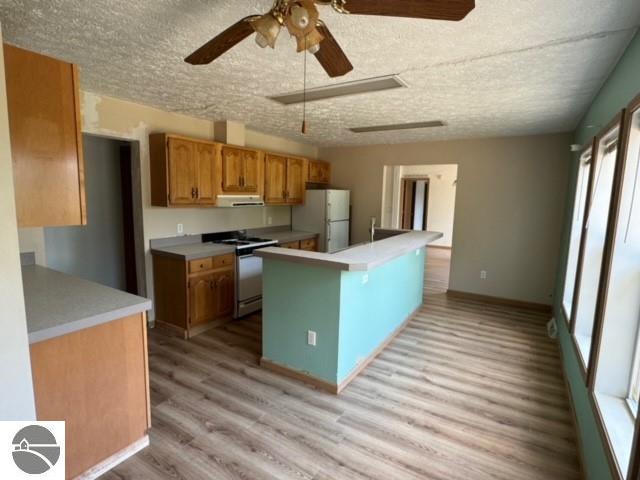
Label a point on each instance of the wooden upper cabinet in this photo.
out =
(319, 172)
(241, 171)
(46, 139)
(205, 154)
(182, 171)
(295, 180)
(284, 180)
(275, 174)
(232, 169)
(251, 172)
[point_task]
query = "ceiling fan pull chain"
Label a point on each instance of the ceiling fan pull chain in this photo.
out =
(304, 90)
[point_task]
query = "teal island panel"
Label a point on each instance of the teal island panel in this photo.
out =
(352, 313)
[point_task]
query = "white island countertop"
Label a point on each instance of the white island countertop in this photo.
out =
(361, 257)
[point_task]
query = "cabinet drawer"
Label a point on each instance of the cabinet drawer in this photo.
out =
(200, 265)
(308, 245)
(292, 245)
(224, 260)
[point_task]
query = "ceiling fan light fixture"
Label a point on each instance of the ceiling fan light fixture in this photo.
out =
(300, 17)
(267, 29)
(310, 42)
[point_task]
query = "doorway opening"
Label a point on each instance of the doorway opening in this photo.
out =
(423, 198)
(415, 203)
(108, 250)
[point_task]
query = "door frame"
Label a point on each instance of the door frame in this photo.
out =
(405, 182)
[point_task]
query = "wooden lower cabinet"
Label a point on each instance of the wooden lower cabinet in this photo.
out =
(309, 245)
(193, 296)
(97, 381)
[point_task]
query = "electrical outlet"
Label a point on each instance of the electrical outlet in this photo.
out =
(269, 220)
(311, 338)
(365, 279)
(483, 275)
(180, 228)
(418, 253)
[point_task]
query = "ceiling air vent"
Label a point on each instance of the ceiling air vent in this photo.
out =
(399, 126)
(358, 87)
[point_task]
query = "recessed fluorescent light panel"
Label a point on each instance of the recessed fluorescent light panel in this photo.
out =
(399, 126)
(358, 87)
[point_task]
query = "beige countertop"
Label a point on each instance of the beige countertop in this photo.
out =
(357, 258)
(58, 304)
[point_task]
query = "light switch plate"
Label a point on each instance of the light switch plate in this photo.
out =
(365, 279)
(311, 338)
(180, 228)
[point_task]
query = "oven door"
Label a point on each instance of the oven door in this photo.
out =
(249, 278)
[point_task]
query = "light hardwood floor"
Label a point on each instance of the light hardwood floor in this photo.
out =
(468, 391)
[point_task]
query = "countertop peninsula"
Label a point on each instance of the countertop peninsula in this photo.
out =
(58, 304)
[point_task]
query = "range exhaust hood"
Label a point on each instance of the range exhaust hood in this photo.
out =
(239, 201)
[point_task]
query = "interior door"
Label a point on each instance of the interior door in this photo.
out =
(205, 160)
(295, 181)
(337, 236)
(232, 169)
(250, 174)
(202, 300)
(182, 171)
(275, 179)
(337, 205)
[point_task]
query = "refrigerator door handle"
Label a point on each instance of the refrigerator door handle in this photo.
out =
(328, 231)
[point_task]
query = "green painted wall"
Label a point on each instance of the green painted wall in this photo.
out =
(620, 88)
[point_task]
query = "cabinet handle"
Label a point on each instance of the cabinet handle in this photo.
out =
(197, 192)
(193, 192)
(211, 285)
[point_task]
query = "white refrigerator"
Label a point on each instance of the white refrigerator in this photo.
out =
(325, 212)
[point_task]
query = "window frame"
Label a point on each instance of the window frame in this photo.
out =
(590, 151)
(586, 364)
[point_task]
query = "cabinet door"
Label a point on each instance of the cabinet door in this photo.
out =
(224, 291)
(295, 180)
(325, 172)
(205, 159)
(232, 169)
(46, 139)
(202, 299)
(275, 172)
(182, 171)
(250, 174)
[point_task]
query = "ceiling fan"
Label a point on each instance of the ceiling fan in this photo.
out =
(302, 20)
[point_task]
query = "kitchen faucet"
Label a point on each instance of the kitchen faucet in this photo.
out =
(372, 230)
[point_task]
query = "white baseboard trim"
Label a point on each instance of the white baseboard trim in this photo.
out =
(114, 460)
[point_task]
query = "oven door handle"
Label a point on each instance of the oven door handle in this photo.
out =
(248, 255)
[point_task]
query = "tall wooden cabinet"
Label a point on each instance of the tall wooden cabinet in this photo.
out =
(46, 139)
(193, 296)
(182, 171)
(241, 171)
(284, 180)
(319, 172)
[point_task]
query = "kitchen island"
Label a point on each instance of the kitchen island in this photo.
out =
(350, 304)
(88, 347)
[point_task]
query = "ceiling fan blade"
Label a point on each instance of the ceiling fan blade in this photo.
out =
(454, 10)
(222, 43)
(331, 56)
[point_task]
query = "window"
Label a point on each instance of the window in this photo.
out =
(593, 241)
(577, 224)
(616, 365)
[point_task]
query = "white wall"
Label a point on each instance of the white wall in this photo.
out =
(442, 197)
(509, 206)
(112, 117)
(16, 399)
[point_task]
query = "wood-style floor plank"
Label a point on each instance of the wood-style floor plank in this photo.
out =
(468, 391)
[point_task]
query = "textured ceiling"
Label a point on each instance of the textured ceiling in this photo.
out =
(512, 67)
